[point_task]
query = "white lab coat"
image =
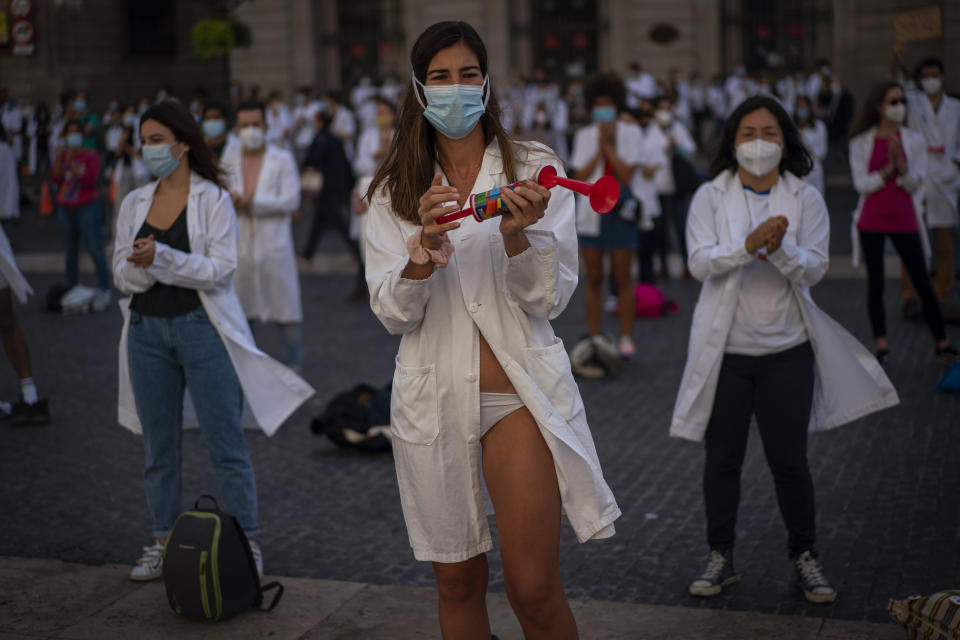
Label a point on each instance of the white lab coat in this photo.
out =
(10, 272)
(628, 143)
(849, 382)
(272, 391)
(814, 138)
(666, 185)
(267, 281)
(653, 154)
(435, 408)
(9, 183)
(279, 126)
(344, 126)
(939, 128)
(866, 182)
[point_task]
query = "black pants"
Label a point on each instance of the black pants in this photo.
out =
(911, 254)
(778, 389)
(333, 212)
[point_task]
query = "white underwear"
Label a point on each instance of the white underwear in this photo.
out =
(494, 407)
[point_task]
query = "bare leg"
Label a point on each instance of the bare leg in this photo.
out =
(621, 259)
(593, 294)
(462, 599)
(522, 481)
(14, 342)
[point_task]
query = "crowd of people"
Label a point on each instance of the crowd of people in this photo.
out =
(200, 199)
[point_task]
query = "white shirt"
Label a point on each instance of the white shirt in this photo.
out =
(640, 86)
(767, 319)
(628, 144)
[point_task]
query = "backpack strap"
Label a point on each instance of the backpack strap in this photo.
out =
(276, 598)
(196, 505)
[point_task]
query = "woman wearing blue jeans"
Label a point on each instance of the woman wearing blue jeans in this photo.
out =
(176, 253)
(79, 216)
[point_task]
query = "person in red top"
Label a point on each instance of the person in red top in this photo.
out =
(79, 215)
(888, 162)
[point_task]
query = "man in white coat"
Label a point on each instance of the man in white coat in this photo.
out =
(937, 117)
(265, 186)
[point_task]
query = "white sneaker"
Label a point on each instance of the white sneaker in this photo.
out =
(625, 348)
(101, 301)
(257, 556)
(611, 303)
(150, 564)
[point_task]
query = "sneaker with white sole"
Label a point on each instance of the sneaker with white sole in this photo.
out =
(150, 564)
(810, 579)
(715, 576)
(625, 347)
(257, 556)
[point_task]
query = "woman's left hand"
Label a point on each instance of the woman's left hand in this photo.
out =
(144, 251)
(525, 206)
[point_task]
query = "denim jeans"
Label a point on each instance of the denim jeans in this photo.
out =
(166, 355)
(83, 224)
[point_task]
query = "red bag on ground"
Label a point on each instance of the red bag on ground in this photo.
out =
(651, 303)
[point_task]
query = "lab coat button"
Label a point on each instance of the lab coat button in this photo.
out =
(471, 377)
(474, 307)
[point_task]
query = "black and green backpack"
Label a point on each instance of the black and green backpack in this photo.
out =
(208, 568)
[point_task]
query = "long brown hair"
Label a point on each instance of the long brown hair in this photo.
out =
(407, 170)
(174, 116)
(869, 114)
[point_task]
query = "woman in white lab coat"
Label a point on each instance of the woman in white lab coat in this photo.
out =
(814, 135)
(175, 255)
(758, 238)
(483, 396)
(888, 163)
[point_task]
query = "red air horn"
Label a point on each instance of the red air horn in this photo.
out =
(603, 195)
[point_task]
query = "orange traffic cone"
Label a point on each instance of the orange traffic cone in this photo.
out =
(46, 202)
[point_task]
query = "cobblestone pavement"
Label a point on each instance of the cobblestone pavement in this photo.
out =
(887, 502)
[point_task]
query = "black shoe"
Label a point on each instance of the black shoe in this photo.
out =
(810, 579)
(21, 414)
(911, 311)
(883, 355)
(40, 413)
(947, 355)
(717, 574)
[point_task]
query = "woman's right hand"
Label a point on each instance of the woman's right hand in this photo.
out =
(765, 232)
(431, 207)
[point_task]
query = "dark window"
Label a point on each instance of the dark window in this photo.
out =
(564, 37)
(151, 27)
(369, 33)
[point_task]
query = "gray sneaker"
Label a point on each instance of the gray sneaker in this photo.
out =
(715, 576)
(150, 564)
(811, 580)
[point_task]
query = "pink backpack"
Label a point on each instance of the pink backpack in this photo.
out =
(651, 303)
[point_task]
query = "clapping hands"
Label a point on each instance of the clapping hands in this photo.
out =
(768, 234)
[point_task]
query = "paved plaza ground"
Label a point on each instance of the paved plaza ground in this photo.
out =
(888, 505)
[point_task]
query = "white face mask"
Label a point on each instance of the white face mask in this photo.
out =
(759, 157)
(252, 138)
(664, 118)
(931, 86)
(895, 112)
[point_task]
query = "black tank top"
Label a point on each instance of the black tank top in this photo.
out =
(165, 300)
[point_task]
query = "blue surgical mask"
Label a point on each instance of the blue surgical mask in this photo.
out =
(453, 109)
(158, 159)
(604, 114)
(75, 140)
(213, 128)
(803, 112)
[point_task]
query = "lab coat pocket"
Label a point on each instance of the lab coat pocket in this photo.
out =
(550, 369)
(414, 408)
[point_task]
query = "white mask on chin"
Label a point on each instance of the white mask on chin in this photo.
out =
(759, 157)
(895, 112)
(252, 138)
